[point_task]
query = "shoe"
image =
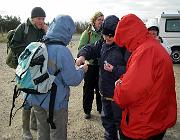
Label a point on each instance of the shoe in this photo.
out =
(87, 116)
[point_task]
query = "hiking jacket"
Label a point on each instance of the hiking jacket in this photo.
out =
(146, 92)
(20, 40)
(61, 29)
(113, 55)
(89, 36)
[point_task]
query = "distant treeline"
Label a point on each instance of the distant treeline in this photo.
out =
(8, 22)
(11, 22)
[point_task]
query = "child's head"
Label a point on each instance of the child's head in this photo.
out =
(109, 27)
(154, 30)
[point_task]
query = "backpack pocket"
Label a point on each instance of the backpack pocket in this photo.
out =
(11, 59)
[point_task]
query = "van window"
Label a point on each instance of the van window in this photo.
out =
(172, 25)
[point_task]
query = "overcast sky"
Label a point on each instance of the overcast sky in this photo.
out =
(82, 10)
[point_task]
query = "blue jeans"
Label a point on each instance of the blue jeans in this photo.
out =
(111, 118)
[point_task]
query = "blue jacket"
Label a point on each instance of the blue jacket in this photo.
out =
(61, 29)
(113, 54)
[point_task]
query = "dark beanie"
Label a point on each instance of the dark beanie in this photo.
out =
(109, 25)
(37, 12)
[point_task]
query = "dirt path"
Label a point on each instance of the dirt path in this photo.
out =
(78, 127)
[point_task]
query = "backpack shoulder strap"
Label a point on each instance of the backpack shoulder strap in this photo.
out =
(161, 40)
(89, 32)
(26, 28)
(54, 42)
(89, 36)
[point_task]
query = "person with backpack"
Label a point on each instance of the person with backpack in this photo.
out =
(90, 35)
(60, 30)
(32, 30)
(146, 92)
(112, 65)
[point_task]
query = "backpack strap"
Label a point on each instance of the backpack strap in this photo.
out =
(161, 40)
(26, 29)
(47, 41)
(51, 106)
(89, 36)
(15, 95)
(54, 42)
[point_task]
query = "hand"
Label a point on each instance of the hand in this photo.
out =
(80, 60)
(85, 67)
(108, 67)
(45, 27)
(118, 82)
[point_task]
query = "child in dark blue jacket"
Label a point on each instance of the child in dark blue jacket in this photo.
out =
(113, 61)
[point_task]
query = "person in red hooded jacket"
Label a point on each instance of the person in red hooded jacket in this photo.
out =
(146, 92)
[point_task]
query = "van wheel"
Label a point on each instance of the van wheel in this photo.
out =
(176, 56)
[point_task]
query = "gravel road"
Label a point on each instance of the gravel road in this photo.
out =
(78, 127)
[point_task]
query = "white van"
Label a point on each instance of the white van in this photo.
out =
(169, 29)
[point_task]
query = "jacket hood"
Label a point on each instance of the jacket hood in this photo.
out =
(61, 29)
(130, 32)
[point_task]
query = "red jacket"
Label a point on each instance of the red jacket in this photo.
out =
(147, 92)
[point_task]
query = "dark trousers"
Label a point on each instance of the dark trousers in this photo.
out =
(156, 137)
(91, 79)
(111, 118)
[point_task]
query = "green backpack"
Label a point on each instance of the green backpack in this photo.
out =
(12, 58)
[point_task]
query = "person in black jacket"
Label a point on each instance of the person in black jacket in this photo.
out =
(36, 29)
(91, 87)
(113, 61)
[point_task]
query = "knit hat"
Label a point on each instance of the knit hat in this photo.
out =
(109, 25)
(95, 16)
(37, 12)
